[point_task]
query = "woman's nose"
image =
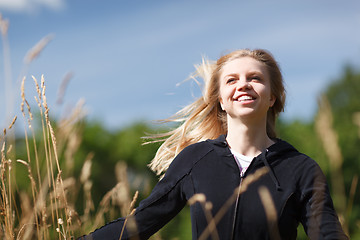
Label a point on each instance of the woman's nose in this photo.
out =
(243, 84)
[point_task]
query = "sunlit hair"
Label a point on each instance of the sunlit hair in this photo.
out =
(204, 118)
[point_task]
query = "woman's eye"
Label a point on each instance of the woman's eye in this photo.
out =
(257, 78)
(230, 80)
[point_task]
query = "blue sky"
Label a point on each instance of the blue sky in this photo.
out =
(126, 57)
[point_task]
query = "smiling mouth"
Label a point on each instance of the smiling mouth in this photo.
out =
(245, 98)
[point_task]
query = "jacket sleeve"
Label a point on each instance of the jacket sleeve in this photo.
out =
(318, 215)
(165, 202)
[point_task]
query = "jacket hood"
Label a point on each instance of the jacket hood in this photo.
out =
(280, 150)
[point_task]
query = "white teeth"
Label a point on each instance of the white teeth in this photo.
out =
(244, 98)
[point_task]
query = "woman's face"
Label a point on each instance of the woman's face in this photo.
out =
(245, 90)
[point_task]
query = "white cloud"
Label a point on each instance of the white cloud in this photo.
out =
(30, 5)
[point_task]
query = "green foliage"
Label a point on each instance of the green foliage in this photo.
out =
(128, 145)
(96, 139)
(110, 147)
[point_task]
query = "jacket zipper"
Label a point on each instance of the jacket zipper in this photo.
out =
(235, 210)
(242, 175)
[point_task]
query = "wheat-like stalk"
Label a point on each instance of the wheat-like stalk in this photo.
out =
(37, 49)
(329, 139)
(130, 216)
(206, 206)
(4, 25)
(6, 195)
(47, 189)
(64, 83)
(270, 212)
(32, 214)
(12, 122)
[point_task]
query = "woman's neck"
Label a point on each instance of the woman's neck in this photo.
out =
(249, 139)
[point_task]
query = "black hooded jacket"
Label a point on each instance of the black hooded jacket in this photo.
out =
(296, 184)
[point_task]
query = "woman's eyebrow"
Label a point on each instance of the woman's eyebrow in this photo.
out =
(255, 72)
(231, 75)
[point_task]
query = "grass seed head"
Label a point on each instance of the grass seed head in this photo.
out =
(197, 198)
(132, 204)
(4, 26)
(85, 171)
(9, 149)
(23, 89)
(37, 87)
(35, 51)
(42, 81)
(22, 162)
(13, 122)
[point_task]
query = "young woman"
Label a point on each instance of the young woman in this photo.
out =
(215, 155)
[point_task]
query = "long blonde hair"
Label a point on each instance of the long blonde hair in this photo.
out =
(204, 118)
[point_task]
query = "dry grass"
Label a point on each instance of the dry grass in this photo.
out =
(46, 210)
(329, 139)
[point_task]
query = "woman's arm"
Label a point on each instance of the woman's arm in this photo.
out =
(318, 215)
(165, 201)
(153, 213)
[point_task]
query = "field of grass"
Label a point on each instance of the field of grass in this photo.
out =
(41, 194)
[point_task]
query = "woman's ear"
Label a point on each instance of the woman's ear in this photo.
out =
(272, 100)
(221, 104)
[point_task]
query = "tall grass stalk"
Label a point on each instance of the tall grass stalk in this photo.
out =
(329, 139)
(45, 213)
(270, 212)
(34, 189)
(5, 194)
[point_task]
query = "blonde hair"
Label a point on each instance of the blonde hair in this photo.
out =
(204, 118)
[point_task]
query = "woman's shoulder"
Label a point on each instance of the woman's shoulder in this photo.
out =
(298, 162)
(187, 158)
(287, 150)
(196, 150)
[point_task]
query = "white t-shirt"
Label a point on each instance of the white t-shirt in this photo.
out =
(242, 161)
